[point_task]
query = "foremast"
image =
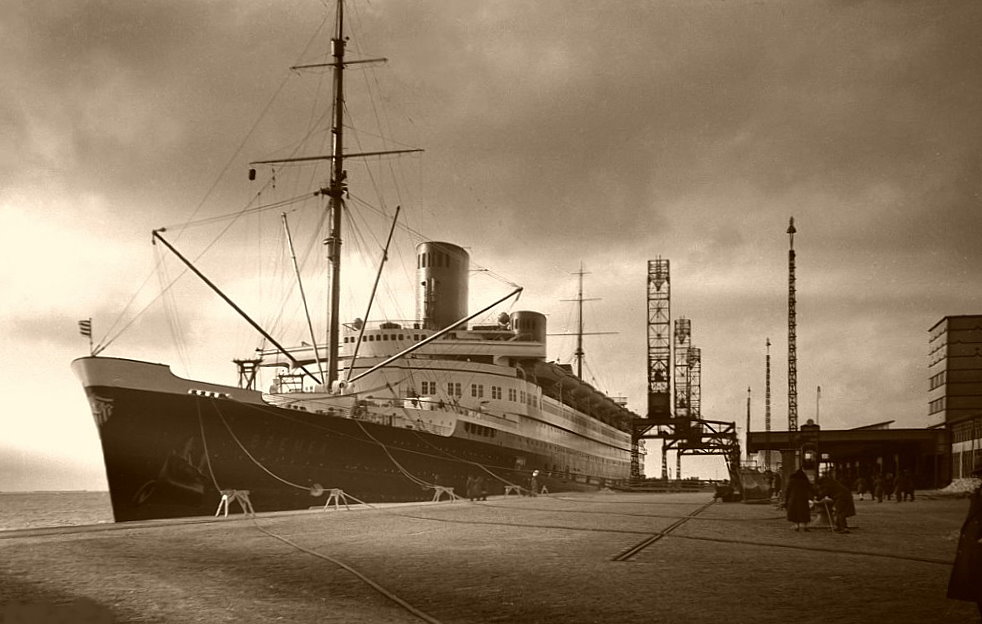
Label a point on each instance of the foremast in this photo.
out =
(334, 191)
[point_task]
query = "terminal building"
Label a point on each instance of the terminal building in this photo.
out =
(955, 388)
(946, 449)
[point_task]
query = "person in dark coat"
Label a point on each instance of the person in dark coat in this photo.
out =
(777, 486)
(966, 573)
(878, 488)
(472, 491)
(796, 498)
(481, 488)
(534, 483)
(905, 486)
(842, 504)
(888, 485)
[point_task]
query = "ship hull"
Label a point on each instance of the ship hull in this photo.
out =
(171, 446)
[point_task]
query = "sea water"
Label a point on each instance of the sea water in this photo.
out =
(31, 510)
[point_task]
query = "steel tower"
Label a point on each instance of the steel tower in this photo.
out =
(659, 340)
(659, 362)
(682, 381)
(695, 382)
(683, 397)
(767, 406)
(792, 339)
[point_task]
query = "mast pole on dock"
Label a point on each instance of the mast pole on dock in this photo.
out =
(792, 337)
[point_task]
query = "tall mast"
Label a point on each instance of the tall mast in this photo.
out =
(579, 354)
(767, 406)
(337, 187)
(579, 324)
(792, 329)
(334, 191)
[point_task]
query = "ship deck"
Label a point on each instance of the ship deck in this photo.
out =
(597, 557)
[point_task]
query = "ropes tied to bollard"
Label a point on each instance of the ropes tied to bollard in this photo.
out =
(382, 590)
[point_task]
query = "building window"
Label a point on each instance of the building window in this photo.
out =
(938, 380)
(512, 394)
(937, 406)
(495, 392)
(477, 391)
(453, 389)
(429, 387)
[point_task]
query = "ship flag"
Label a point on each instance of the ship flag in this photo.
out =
(85, 327)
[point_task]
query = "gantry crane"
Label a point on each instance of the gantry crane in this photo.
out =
(675, 417)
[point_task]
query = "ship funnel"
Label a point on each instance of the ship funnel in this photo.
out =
(441, 284)
(529, 325)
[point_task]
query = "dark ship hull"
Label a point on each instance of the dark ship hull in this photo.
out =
(170, 451)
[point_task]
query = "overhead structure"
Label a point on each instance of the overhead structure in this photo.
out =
(792, 337)
(674, 409)
(659, 362)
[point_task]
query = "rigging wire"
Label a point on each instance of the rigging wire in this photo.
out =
(109, 337)
(170, 312)
(246, 211)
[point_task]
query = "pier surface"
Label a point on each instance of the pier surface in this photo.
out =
(603, 557)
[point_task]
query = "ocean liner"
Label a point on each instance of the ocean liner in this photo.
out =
(394, 410)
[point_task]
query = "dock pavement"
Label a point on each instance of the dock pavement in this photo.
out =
(562, 558)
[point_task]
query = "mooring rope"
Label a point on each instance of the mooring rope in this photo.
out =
(406, 473)
(385, 592)
(466, 461)
(254, 460)
(377, 587)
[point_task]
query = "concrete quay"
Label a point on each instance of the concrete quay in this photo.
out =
(598, 557)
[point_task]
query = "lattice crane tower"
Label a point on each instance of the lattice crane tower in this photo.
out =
(695, 382)
(659, 339)
(683, 396)
(792, 339)
(683, 384)
(659, 356)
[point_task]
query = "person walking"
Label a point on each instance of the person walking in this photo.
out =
(878, 488)
(862, 487)
(907, 487)
(796, 500)
(534, 483)
(966, 573)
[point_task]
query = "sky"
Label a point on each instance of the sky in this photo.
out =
(557, 134)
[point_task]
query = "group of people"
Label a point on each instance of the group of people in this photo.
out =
(880, 486)
(801, 495)
(828, 494)
(836, 499)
